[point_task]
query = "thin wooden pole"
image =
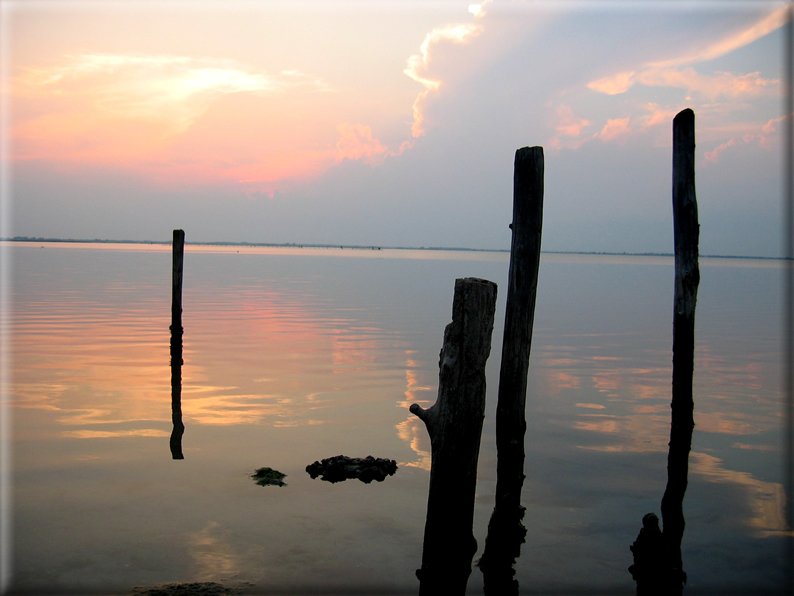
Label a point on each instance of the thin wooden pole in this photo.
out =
(454, 424)
(176, 345)
(506, 533)
(687, 277)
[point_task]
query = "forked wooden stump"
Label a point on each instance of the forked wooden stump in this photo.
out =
(454, 424)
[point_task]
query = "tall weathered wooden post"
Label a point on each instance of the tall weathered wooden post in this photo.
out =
(687, 277)
(176, 345)
(506, 533)
(454, 424)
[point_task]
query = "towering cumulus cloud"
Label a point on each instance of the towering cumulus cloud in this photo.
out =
(419, 64)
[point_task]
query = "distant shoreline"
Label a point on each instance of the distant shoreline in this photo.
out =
(373, 247)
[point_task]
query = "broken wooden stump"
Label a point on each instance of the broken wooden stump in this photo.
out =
(454, 424)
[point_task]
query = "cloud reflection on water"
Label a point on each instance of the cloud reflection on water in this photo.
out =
(412, 430)
(626, 403)
(767, 500)
(105, 434)
(414, 433)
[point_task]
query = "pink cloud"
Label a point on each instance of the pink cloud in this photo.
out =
(615, 129)
(765, 25)
(770, 126)
(356, 142)
(657, 116)
(569, 129)
(713, 156)
(765, 138)
(667, 73)
(710, 86)
(567, 124)
(615, 84)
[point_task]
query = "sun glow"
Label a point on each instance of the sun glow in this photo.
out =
(180, 119)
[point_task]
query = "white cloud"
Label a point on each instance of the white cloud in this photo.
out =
(418, 65)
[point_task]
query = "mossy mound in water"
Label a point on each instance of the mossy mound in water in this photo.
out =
(341, 467)
(187, 589)
(269, 477)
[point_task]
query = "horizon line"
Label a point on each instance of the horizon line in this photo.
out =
(371, 247)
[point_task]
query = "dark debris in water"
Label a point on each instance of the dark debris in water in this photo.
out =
(341, 467)
(269, 477)
(186, 589)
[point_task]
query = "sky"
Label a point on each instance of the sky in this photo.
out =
(390, 123)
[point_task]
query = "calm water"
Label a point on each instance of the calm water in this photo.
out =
(294, 355)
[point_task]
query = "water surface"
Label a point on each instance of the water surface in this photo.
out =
(294, 355)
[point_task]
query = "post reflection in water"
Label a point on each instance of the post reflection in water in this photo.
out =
(506, 534)
(176, 393)
(658, 566)
(176, 346)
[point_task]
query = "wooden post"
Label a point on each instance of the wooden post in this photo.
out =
(687, 277)
(506, 533)
(454, 424)
(176, 345)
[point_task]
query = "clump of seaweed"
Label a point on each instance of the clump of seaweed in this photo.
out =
(186, 589)
(269, 477)
(340, 467)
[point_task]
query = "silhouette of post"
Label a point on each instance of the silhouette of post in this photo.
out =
(176, 345)
(687, 277)
(506, 533)
(454, 424)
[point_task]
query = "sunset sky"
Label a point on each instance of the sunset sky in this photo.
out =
(390, 123)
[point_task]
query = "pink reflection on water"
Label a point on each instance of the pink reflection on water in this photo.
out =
(633, 395)
(251, 357)
(766, 500)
